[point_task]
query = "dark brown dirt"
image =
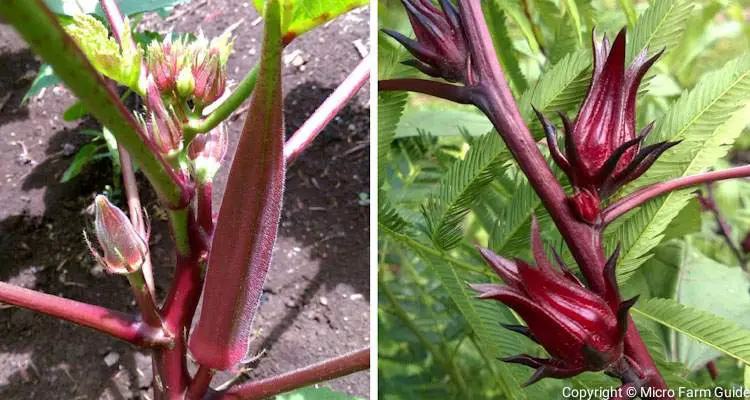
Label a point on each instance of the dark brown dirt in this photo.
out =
(316, 301)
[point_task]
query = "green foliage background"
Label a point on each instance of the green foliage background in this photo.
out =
(447, 183)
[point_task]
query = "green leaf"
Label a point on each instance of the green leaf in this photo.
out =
(312, 393)
(44, 78)
(122, 64)
(707, 121)
(127, 7)
(711, 287)
(629, 8)
(712, 330)
(460, 187)
(561, 88)
(515, 12)
(496, 21)
(572, 10)
(84, 155)
(74, 112)
(442, 121)
(390, 109)
(300, 16)
(483, 316)
(659, 27)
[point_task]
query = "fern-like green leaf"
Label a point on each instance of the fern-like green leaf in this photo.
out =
(496, 21)
(460, 187)
(389, 216)
(561, 88)
(514, 9)
(715, 331)
(707, 121)
(659, 27)
(390, 109)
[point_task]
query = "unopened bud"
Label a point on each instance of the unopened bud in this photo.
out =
(207, 152)
(185, 83)
(124, 249)
(164, 126)
(210, 78)
(585, 205)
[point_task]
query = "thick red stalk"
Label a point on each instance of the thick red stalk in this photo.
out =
(641, 196)
(115, 323)
(246, 228)
(326, 370)
(200, 383)
(583, 240)
(325, 113)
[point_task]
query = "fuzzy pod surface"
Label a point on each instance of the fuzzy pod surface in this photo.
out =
(248, 218)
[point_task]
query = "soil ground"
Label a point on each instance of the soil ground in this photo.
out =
(316, 300)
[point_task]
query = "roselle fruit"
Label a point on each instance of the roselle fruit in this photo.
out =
(248, 219)
(603, 152)
(440, 46)
(580, 330)
(124, 250)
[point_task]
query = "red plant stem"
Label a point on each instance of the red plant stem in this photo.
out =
(640, 197)
(178, 312)
(325, 113)
(326, 370)
(200, 383)
(583, 240)
(120, 325)
(205, 208)
(454, 93)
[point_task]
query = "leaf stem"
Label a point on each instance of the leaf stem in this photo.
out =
(323, 371)
(325, 113)
(643, 195)
(120, 325)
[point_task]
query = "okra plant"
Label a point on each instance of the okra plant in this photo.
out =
(178, 140)
(603, 182)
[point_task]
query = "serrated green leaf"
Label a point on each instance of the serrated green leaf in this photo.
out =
(496, 21)
(707, 121)
(659, 27)
(484, 317)
(127, 7)
(122, 64)
(572, 9)
(561, 88)
(715, 331)
(514, 10)
(300, 16)
(460, 187)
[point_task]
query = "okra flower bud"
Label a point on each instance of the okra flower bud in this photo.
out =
(206, 152)
(164, 125)
(602, 149)
(440, 46)
(166, 60)
(209, 68)
(580, 330)
(124, 250)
